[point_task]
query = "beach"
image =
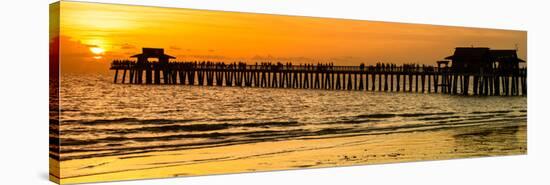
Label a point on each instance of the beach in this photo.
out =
(437, 144)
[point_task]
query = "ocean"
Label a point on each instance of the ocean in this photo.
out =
(100, 119)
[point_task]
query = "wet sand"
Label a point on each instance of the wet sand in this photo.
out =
(437, 144)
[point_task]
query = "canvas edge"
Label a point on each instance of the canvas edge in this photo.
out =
(53, 42)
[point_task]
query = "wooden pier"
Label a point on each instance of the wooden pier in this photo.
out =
(380, 77)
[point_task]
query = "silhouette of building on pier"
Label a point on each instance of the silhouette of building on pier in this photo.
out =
(506, 60)
(482, 59)
(157, 53)
(143, 64)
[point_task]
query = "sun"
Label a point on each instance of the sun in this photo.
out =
(97, 50)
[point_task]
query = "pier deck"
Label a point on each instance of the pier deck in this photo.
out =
(380, 77)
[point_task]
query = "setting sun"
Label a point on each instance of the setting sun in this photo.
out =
(97, 50)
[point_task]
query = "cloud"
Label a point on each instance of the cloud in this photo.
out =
(91, 45)
(76, 57)
(175, 48)
(297, 59)
(202, 57)
(127, 46)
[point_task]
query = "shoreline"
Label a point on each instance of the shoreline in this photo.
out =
(440, 144)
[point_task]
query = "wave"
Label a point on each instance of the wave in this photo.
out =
(176, 126)
(128, 121)
(490, 112)
(376, 116)
(213, 133)
(206, 127)
(389, 115)
(230, 138)
(425, 114)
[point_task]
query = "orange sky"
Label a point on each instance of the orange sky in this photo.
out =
(91, 35)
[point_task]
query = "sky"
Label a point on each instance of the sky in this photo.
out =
(91, 35)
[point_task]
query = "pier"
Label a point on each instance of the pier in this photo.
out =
(382, 77)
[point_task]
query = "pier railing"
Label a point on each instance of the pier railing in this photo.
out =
(379, 77)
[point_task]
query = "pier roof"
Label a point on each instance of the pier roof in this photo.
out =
(482, 54)
(152, 53)
(505, 55)
(469, 53)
